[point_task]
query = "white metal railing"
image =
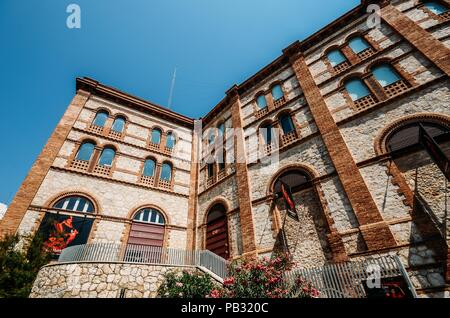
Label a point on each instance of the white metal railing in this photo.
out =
(345, 280)
(142, 254)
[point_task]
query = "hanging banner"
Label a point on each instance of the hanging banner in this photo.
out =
(61, 231)
(435, 151)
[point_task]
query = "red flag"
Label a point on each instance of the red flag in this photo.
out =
(289, 200)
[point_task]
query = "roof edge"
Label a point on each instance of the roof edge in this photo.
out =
(115, 95)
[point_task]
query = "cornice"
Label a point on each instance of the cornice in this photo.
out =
(94, 87)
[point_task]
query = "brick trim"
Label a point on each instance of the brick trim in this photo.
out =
(353, 183)
(418, 37)
(38, 171)
(242, 179)
(191, 236)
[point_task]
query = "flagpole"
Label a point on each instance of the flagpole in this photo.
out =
(284, 232)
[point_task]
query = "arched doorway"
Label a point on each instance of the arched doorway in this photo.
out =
(217, 231)
(304, 238)
(423, 176)
(423, 182)
(147, 228)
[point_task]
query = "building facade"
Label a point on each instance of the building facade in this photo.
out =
(337, 117)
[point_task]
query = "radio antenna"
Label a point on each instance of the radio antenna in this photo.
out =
(172, 86)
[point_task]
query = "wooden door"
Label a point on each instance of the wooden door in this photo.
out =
(217, 237)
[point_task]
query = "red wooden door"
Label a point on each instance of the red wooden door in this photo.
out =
(217, 237)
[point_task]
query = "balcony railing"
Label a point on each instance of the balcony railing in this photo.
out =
(341, 67)
(396, 88)
(142, 254)
(347, 279)
(262, 112)
(80, 164)
(279, 102)
(96, 129)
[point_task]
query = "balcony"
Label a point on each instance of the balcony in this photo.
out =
(147, 181)
(81, 165)
(96, 129)
(261, 113)
(341, 67)
(222, 174)
(165, 184)
(366, 53)
(365, 102)
(289, 138)
(395, 88)
(103, 170)
(279, 102)
(153, 146)
(115, 135)
(269, 148)
(210, 181)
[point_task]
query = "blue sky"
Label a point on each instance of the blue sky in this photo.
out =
(134, 45)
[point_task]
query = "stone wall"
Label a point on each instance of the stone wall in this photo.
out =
(100, 280)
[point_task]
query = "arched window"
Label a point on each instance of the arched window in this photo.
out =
(358, 44)
(277, 92)
(149, 168)
(356, 89)
(267, 133)
(286, 124)
(75, 203)
(100, 118)
(149, 216)
(407, 136)
(166, 172)
(170, 141)
(336, 57)
(85, 152)
(211, 136)
(119, 124)
(436, 7)
(221, 129)
(107, 157)
(210, 170)
(295, 179)
(261, 101)
(156, 136)
(385, 75)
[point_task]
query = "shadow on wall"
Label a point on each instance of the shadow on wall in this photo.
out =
(427, 254)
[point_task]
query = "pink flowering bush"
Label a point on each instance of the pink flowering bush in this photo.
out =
(264, 278)
(256, 278)
(186, 284)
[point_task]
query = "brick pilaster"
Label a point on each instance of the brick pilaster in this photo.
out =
(242, 179)
(27, 191)
(193, 190)
(353, 183)
(418, 37)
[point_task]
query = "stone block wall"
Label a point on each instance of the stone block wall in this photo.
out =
(100, 280)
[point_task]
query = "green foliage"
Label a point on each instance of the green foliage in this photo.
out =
(19, 266)
(186, 285)
(254, 278)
